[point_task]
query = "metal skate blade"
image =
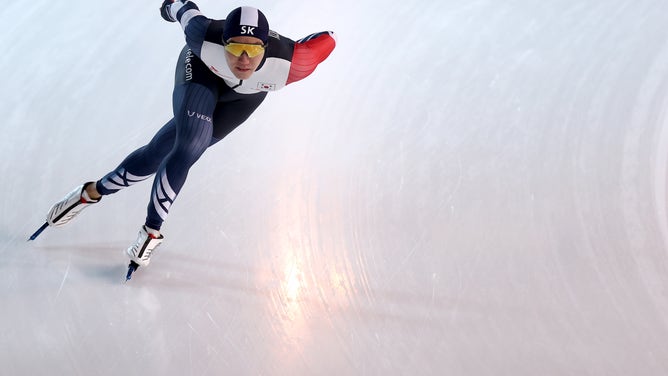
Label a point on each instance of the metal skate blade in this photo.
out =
(132, 267)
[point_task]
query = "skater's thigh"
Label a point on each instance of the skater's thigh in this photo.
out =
(231, 113)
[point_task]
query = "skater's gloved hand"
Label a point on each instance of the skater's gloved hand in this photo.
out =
(166, 8)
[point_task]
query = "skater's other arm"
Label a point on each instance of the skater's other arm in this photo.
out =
(193, 22)
(309, 52)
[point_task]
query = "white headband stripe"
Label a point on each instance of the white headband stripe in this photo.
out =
(249, 16)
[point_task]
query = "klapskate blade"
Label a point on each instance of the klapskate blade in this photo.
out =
(132, 267)
(39, 231)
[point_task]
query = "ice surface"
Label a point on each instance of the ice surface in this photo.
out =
(462, 188)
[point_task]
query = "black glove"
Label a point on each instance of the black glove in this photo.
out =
(164, 10)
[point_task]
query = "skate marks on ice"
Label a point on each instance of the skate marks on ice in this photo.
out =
(106, 262)
(293, 289)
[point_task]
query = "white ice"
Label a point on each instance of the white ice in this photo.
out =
(465, 187)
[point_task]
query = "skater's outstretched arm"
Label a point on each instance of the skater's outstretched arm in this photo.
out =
(308, 53)
(193, 22)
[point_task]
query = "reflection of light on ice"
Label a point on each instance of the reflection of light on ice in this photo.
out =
(341, 286)
(293, 286)
(307, 289)
(290, 253)
(314, 274)
(320, 282)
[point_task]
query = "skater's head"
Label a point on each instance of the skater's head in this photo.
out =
(245, 36)
(246, 22)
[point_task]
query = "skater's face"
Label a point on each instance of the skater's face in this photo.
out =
(250, 51)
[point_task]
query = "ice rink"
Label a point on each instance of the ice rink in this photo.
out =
(465, 187)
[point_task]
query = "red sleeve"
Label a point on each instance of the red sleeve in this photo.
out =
(308, 53)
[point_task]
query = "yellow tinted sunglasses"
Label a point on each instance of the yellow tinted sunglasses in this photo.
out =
(237, 49)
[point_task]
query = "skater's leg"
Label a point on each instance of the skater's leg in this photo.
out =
(193, 101)
(202, 122)
(140, 164)
(194, 106)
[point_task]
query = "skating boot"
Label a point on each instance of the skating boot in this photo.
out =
(147, 241)
(140, 252)
(69, 207)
